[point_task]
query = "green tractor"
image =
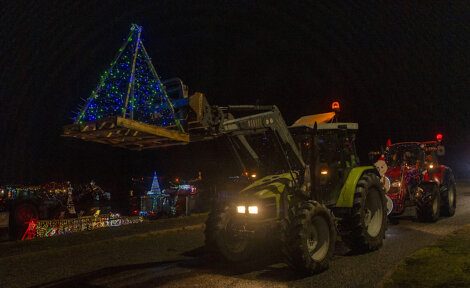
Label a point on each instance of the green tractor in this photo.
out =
(307, 189)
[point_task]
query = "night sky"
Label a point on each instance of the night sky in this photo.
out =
(401, 70)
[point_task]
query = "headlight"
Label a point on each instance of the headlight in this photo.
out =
(253, 209)
(241, 209)
(396, 184)
(431, 166)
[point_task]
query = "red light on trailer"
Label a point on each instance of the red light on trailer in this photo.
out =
(335, 106)
(439, 137)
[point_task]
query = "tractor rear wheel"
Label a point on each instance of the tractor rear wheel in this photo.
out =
(221, 238)
(429, 203)
(449, 199)
(310, 238)
(364, 228)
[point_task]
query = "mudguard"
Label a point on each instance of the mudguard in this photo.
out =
(346, 196)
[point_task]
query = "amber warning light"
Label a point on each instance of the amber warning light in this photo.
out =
(335, 106)
(439, 137)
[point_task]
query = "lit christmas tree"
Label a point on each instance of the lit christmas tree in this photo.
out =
(130, 88)
(155, 189)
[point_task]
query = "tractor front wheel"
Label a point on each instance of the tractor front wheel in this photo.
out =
(310, 238)
(364, 228)
(449, 200)
(221, 238)
(428, 203)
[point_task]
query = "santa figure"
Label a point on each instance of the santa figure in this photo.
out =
(382, 168)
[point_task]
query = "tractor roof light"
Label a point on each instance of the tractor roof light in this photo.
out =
(335, 106)
(439, 137)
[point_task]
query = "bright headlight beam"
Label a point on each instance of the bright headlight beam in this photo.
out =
(253, 209)
(241, 209)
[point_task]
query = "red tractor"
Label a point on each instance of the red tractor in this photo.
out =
(413, 176)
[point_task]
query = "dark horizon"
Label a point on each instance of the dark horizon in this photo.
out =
(399, 70)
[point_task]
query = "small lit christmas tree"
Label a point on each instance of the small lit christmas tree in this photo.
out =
(155, 189)
(130, 88)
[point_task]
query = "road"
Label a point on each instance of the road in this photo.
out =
(177, 260)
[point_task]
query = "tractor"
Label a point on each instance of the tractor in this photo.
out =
(309, 189)
(415, 178)
(308, 184)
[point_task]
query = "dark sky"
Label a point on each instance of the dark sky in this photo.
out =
(400, 69)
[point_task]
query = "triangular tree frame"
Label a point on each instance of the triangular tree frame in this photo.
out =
(127, 111)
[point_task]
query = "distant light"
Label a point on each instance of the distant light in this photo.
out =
(431, 166)
(324, 172)
(439, 137)
(253, 175)
(335, 106)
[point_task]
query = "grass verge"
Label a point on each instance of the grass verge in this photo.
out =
(446, 264)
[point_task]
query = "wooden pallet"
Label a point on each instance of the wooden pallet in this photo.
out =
(126, 133)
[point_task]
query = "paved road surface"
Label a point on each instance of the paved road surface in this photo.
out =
(177, 260)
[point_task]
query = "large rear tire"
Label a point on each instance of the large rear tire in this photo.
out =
(429, 203)
(219, 237)
(364, 228)
(310, 238)
(449, 199)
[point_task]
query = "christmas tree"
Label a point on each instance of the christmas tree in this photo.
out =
(155, 189)
(130, 88)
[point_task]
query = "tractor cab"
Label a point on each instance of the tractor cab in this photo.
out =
(329, 152)
(409, 154)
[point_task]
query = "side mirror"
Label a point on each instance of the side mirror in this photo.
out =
(441, 150)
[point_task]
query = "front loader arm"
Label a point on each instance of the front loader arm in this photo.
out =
(267, 118)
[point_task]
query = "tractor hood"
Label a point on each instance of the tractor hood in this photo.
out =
(267, 186)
